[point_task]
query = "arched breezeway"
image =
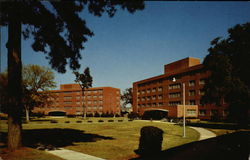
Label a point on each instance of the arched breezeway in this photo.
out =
(156, 114)
(57, 113)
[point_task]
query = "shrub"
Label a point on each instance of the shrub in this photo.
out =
(130, 120)
(100, 120)
(110, 120)
(90, 121)
(67, 122)
(133, 115)
(150, 141)
(78, 121)
(120, 120)
(53, 121)
(71, 116)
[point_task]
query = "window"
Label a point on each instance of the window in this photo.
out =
(202, 112)
(154, 89)
(160, 104)
(225, 112)
(191, 102)
(94, 96)
(154, 105)
(77, 97)
(100, 96)
(159, 96)
(148, 98)
(89, 102)
(191, 83)
(159, 89)
(173, 103)
(67, 102)
(154, 97)
(67, 97)
(100, 91)
(95, 91)
(67, 107)
(201, 92)
(95, 102)
(78, 92)
(191, 112)
(117, 92)
(67, 92)
(202, 81)
(174, 86)
(143, 99)
(148, 90)
(192, 93)
(77, 102)
(100, 102)
(174, 95)
(143, 91)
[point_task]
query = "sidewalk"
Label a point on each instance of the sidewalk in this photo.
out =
(72, 155)
(204, 133)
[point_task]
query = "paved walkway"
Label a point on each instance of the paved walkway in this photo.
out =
(204, 133)
(72, 155)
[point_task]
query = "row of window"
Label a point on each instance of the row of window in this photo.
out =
(150, 97)
(213, 112)
(170, 95)
(85, 92)
(172, 86)
(151, 105)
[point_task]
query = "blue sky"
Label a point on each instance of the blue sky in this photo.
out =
(132, 47)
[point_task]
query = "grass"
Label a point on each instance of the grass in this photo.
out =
(116, 140)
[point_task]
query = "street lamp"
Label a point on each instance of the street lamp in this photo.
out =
(184, 109)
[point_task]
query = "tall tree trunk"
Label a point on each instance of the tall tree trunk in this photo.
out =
(14, 80)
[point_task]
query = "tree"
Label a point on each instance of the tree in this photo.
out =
(37, 80)
(57, 31)
(228, 60)
(85, 81)
(3, 91)
(127, 97)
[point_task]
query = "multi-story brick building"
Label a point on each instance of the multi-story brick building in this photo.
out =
(69, 99)
(161, 92)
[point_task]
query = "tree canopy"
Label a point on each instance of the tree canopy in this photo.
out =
(127, 96)
(57, 28)
(37, 80)
(228, 60)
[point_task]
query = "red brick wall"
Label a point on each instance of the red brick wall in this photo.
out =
(184, 71)
(69, 99)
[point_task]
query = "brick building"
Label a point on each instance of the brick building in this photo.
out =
(69, 99)
(162, 93)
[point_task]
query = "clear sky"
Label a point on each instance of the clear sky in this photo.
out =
(132, 47)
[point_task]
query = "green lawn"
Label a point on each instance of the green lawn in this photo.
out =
(109, 140)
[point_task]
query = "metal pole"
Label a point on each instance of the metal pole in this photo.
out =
(184, 111)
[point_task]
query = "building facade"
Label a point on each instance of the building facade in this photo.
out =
(69, 99)
(161, 92)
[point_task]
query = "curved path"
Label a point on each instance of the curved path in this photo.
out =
(204, 133)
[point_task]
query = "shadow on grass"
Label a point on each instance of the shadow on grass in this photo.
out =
(234, 146)
(54, 138)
